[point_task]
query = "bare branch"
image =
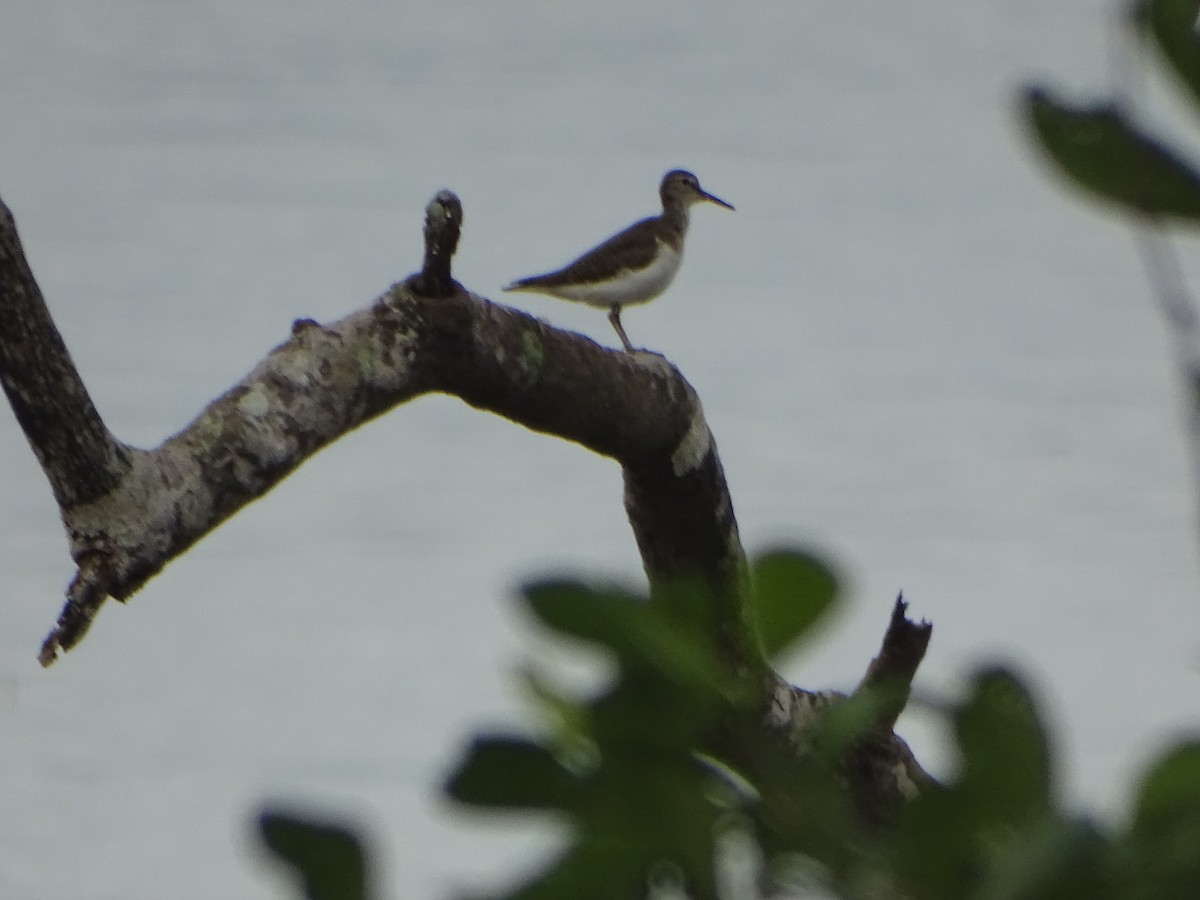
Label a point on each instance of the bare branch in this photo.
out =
(80, 457)
(129, 512)
(769, 741)
(424, 335)
(881, 771)
(892, 671)
(88, 591)
(443, 225)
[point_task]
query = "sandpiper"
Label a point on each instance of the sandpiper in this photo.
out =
(632, 266)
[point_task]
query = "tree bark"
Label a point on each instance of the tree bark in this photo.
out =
(129, 512)
(81, 459)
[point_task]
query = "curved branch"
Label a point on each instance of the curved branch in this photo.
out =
(129, 512)
(427, 334)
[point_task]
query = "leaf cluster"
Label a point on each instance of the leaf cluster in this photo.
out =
(647, 808)
(630, 770)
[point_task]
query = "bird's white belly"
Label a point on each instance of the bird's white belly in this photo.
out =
(629, 287)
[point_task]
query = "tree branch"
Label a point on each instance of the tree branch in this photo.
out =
(892, 671)
(129, 512)
(884, 773)
(771, 744)
(879, 770)
(80, 457)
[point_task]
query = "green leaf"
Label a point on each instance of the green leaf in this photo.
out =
(1171, 789)
(688, 603)
(1052, 860)
(328, 858)
(1171, 25)
(630, 628)
(657, 807)
(645, 714)
(565, 715)
(849, 720)
(935, 851)
(580, 611)
(1106, 156)
(513, 773)
(792, 592)
(637, 812)
(1006, 757)
(592, 870)
(1163, 841)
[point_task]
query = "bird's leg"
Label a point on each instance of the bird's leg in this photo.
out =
(614, 316)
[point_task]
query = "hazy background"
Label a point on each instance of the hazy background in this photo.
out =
(918, 355)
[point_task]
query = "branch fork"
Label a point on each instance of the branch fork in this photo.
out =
(128, 512)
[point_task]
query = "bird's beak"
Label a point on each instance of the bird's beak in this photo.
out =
(717, 200)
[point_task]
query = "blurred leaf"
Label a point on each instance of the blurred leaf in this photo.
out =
(792, 591)
(1052, 860)
(591, 870)
(948, 835)
(687, 603)
(1171, 24)
(804, 807)
(566, 716)
(1164, 840)
(328, 858)
(847, 721)
(630, 628)
(513, 773)
(1005, 752)
(578, 610)
(648, 714)
(990, 833)
(1171, 789)
(1109, 158)
(659, 807)
(934, 850)
(634, 812)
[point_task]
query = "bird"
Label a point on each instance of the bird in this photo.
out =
(633, 266)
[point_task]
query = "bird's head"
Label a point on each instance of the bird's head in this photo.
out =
(682, 188)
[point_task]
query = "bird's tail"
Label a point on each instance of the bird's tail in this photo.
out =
(522, 284)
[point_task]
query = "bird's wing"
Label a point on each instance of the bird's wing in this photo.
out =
(629, 248)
